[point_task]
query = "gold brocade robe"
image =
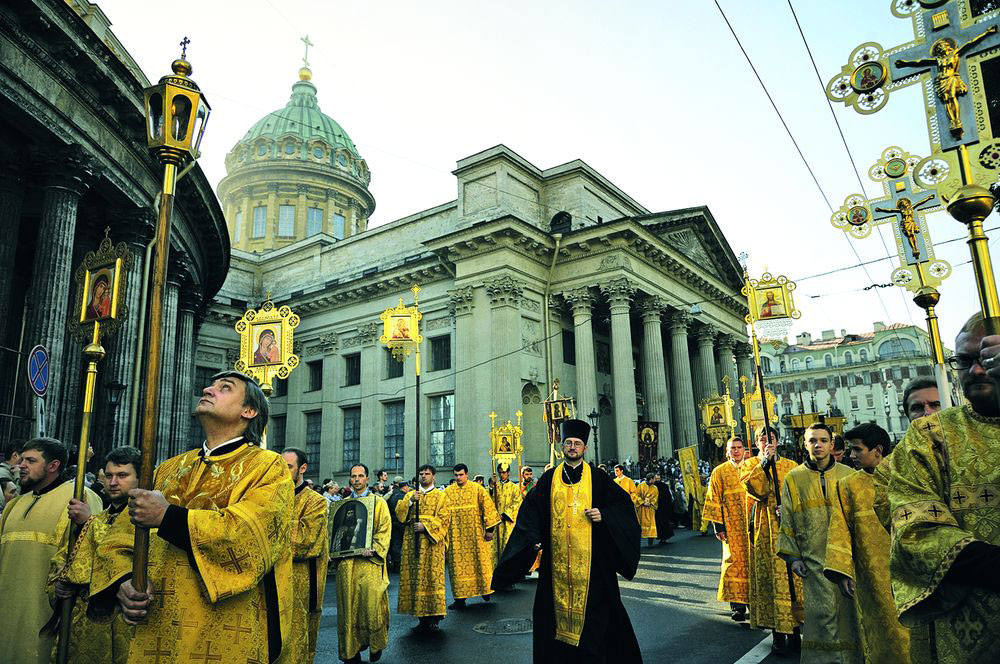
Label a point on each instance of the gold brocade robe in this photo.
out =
(32, 530)
(91, 641)
(572, 547)
(646, 498)
(727, 504)
(363, 592)
(858, 547)
(770, 600)
(310, 556)
(508, 501)
(469, 555)
(626, 483)
(421, 575)
(830, 632)
(220, 601)
(944, 494)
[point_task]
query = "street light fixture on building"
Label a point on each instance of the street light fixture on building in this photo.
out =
(595, 420)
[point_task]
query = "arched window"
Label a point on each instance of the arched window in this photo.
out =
(897, 347)
(530, 395)
(783, 369)
(809, 363)
(765, 363)
(828, 360)
(795, 364)
(848, 358)
(863, 354)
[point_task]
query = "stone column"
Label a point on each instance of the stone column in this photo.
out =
(165, 430)
(705, 337)
(184, 383)
(468, 383)
(685, 420)
(51, 279)
(271, 216)
(725, 345)
(620, 293)
(581, 302)
(300, 213)
(654, 370)
(11, 198)
(373, 365)
(505, 326)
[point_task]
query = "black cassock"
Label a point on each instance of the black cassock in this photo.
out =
(607, 631)
(664, 512)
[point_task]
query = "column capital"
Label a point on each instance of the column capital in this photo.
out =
(137, 228)
(460, 300)
(505, 291)
(726, 342)
(651, 307)
(580, 300)
(705, 334)
(67, 167)
(619, 291)
(743, 350)
(678, 321)
(369, 333)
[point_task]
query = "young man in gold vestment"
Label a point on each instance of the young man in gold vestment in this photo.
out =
(588, 534)
(92, 641)
(726, 508)
(33, 527)
(220, 557)
(310, 555)
(830, 631)
(857, 549)
(425, 514)
(943, 497)
(508, 501)
(363, 580)
(647, 496)
(625, 482)
(771, 603)
(470, 534)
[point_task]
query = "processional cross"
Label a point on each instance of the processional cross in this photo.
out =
(305, 58)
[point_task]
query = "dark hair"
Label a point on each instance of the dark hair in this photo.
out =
(13, 447)
(619, 466)
(51, 449)
(821, 426)
(913, 386)
(360, 465)
(838, 442)
(300, 455)
(123, 456)
(254, 398)
(649, 477)
(872, 435)
(460, 468)
(429, 467)
(759, 431)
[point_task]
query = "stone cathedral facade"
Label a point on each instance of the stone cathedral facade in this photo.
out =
(644, 308)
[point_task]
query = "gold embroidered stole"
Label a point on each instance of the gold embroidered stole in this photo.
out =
(571, 552)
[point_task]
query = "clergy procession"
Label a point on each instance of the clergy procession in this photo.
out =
(244, 419)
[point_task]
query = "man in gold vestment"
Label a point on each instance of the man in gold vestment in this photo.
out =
(625, 482)
(470, 533)
(830, 631)
(363, 580)
(771, 603)
(647, 496)
(508, 500)
(943, 496)
(857, 549)
(726, 509)
(220, 558)
(310, 556)
(426, 516)
(33, 527)
(92, 641)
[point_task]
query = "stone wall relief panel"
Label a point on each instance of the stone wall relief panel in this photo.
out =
(531, 337)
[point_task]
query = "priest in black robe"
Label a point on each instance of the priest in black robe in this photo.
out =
(664, 510)
(587, 500)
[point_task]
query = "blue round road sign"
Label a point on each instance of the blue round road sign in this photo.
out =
(38, 370)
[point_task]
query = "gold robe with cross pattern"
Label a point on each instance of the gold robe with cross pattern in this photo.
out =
(469, 555)
(726, 504)
(830, 631)
(421, 573)
(227, 600)
(310, 556)
(945, 494)
(32, 530)
(646, 497)
(508, 501)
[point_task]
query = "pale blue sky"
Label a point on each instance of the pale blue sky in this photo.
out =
(654, 95)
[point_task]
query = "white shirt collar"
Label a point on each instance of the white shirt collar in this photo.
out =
(354, 494)
(204, 445)
(428, 489)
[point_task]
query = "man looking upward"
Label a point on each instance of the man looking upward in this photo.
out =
(726, 508)
(588, 533)
(829, 633)
(310, 555)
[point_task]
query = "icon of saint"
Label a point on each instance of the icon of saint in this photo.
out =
(267, 351)
(771, 307)
(716, 416)
(99, 306)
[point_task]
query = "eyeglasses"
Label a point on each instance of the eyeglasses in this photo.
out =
(964, 362)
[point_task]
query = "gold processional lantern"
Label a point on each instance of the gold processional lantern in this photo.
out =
(176, 114)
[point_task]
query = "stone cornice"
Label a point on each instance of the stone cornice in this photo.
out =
(504, 232)
(363, 289)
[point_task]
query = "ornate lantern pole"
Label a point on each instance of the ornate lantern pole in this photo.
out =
(176, 113)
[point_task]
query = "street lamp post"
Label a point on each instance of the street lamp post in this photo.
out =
(595, 420)
(176, 113)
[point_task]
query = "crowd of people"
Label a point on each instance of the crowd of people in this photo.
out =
(867, 553)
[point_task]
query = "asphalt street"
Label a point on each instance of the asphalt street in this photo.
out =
(671, 603)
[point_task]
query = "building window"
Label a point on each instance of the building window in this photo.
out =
(443, 431)
(276, 433)
(828, 360)
(259, 221)
(602, 357)
(870, 400)
(352, 437)
(569, 347)
(352, 369)
(765, 364)
(262, 149)
(809, 363)
(897, 373)
(289, 148)
(280, 387)
(848, 358)
(314, 221)
(338, 226)
(851, 380)
(315, 375)
(441, 353)
(896, 348)
(795, 364)
(854, 403)
(394, 420)
(314, 436)
(393, 367)
(286, 220)
(238, 232)
(202, 378)
(863, 354)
